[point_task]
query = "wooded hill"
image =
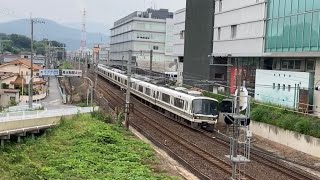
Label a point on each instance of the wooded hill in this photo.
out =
(16, 44)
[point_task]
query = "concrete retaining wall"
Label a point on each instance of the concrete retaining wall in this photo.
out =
(20, 124)
(300, 142)
(34, 97)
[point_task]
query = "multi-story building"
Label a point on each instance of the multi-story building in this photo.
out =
(142, 32)
(178, 45)
(278, 37)
(238, 38)
(104, 54)
(198, 42)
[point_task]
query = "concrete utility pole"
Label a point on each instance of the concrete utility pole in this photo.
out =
(122, 63)
(32, 22)
(127, 105)
(151, 58)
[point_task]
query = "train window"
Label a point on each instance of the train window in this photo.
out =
(141, 88)
(148, 91)
(115, 77)
(186, 106)
(125, 82)
(166, 98)
(119, 79)
(158, 95)
(134, 86)
(178, 103)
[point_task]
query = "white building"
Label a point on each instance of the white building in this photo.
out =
(104, 54)
(142, 32)
(178, 45)
(239, 28)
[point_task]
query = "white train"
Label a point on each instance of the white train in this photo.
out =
(197, 111)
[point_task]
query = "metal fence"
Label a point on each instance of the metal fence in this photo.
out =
(24, 115)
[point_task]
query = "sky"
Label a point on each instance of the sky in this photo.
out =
(70, 11)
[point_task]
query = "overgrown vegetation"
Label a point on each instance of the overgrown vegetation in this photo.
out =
(215, 96)
(285, 119)
(80, 148)
(66, 65)
(278, 116)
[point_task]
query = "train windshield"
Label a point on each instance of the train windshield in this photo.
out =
(205, 107)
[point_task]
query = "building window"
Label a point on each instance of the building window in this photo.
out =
(291, 65)
(292, 26)
(155, 47)
(21, 73)
(233, 31)
(220, 5)
(219, 76)
(182, 34)
(310, 65)
(274, 86)
(284, 87)
(219, 33)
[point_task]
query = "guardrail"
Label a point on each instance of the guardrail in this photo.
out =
(24, 115)
(64, 96)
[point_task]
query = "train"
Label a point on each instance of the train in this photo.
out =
(196, 111)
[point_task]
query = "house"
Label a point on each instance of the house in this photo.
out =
(39, 60)
(9, 97)
(17, 74)
(25, 55)
(5, 58)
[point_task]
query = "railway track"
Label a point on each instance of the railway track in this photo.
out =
(171, 138)
(144, 116)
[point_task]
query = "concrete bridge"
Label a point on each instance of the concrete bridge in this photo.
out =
(19, 124)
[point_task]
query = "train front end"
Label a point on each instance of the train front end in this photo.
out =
(205, 112)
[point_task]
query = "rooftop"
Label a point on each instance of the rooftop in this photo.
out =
(149, 13)
(24, 62)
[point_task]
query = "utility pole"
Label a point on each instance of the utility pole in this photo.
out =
(122, 63)
(32, 22)
(151, 58)
(127, 105)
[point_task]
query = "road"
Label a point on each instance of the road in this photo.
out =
(54, 99)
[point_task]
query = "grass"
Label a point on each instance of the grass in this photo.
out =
(80, 148)
(280, 117)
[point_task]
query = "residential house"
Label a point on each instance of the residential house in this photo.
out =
(9, 97)
(21, 70)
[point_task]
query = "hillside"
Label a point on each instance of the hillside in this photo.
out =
(16, 44)
(52, 31)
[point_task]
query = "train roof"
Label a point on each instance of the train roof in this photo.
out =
(166, 90)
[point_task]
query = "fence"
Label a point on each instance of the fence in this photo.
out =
(24, 115)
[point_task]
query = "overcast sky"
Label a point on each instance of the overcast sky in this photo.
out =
(66, 11)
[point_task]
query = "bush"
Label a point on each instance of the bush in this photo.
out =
(285, 119)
